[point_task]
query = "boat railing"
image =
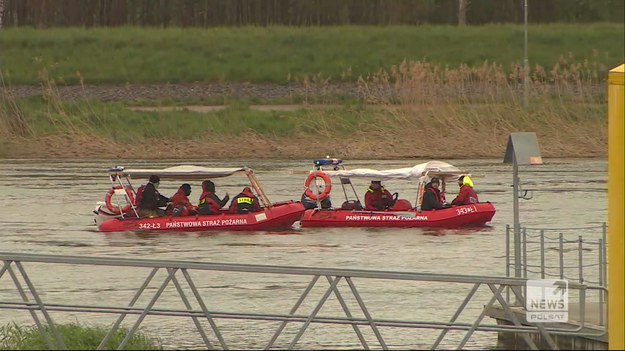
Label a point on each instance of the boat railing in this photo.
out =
(574, 254)
(330, 301)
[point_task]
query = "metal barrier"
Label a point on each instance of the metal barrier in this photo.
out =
(494, 286)
(578, 259)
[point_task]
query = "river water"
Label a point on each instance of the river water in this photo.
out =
(46, 208)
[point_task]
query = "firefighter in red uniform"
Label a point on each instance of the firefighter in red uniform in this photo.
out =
(467, 195)
(209, 202)
(181, 206)
(377, 198)
(245, 202)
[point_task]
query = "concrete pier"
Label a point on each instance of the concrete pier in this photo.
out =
(591, 325)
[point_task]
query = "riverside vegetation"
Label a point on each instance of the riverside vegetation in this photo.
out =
(365, 92)
(75, 337)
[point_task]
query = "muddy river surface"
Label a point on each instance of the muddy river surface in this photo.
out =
(46, 208)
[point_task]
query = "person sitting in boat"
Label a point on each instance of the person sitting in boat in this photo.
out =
(310, 203)
(149, 201)
(210, 203)
(432, 197)
(467, 195)
(377, 198)
(180, 204)
(245, 202)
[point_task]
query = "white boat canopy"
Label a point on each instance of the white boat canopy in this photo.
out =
(181, 172)
(431, 168)
(188, 172)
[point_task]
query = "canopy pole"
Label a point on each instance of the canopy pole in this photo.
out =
(259, 190)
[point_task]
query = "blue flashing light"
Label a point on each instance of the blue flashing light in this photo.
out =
(327, 161)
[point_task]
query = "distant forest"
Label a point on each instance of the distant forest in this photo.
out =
(210, 13)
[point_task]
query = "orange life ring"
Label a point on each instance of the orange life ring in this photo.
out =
(326, 190)
(115, 209)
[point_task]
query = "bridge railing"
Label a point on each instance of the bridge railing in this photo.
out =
(368, 318)
(573, 254)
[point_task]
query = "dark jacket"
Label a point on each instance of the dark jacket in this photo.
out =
(209, 202)
(310, 203)
(431, 198)
(245, 202)
(378, 199)
(466, 196)
(148, 198)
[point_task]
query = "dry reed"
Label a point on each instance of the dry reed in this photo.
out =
(12, 120)
(421, 110)
(469, 111)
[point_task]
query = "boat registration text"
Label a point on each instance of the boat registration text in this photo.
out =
(385, 218)
(466, 210)
(194, 224)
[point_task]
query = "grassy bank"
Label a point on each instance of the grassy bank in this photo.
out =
(452, 104)
(413, 110)
(285, 54)
(75, 337)
(359, 132)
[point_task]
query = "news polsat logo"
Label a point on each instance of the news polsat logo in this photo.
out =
(547, 301)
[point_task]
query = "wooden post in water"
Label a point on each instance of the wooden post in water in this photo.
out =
(616, 180)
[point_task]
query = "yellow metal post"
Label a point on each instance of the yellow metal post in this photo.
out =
(616, 207)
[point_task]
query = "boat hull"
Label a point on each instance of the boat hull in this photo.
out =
(458, 216)
(280, 216)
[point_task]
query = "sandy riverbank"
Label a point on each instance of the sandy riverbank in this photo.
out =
(363, 145)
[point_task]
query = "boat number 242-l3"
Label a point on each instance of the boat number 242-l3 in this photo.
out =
(149, 225)
(465, 210)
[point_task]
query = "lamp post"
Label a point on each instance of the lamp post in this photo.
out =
(525, 63)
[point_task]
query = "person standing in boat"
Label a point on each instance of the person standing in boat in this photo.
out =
(180, 204)
(377, 198)
(467, 195)
(432, 197)
(149, 201)
(210, 203)
(245, 202)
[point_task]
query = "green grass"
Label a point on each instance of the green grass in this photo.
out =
(282, 54)
(454, 82)
(116, 121)
(119, 123)
(75, 337)
(569, 126)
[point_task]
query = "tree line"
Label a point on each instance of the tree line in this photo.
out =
(209, 13)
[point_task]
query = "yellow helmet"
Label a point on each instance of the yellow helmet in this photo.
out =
(466, 180)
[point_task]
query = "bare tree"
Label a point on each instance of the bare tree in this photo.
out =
(1, 11)
(462, 11)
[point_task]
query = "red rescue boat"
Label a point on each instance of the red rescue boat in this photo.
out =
(278, 216)
(403, 214)
(120, 214)
(458, 216)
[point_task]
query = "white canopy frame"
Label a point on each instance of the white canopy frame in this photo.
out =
(189, 172)
(423, 172)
